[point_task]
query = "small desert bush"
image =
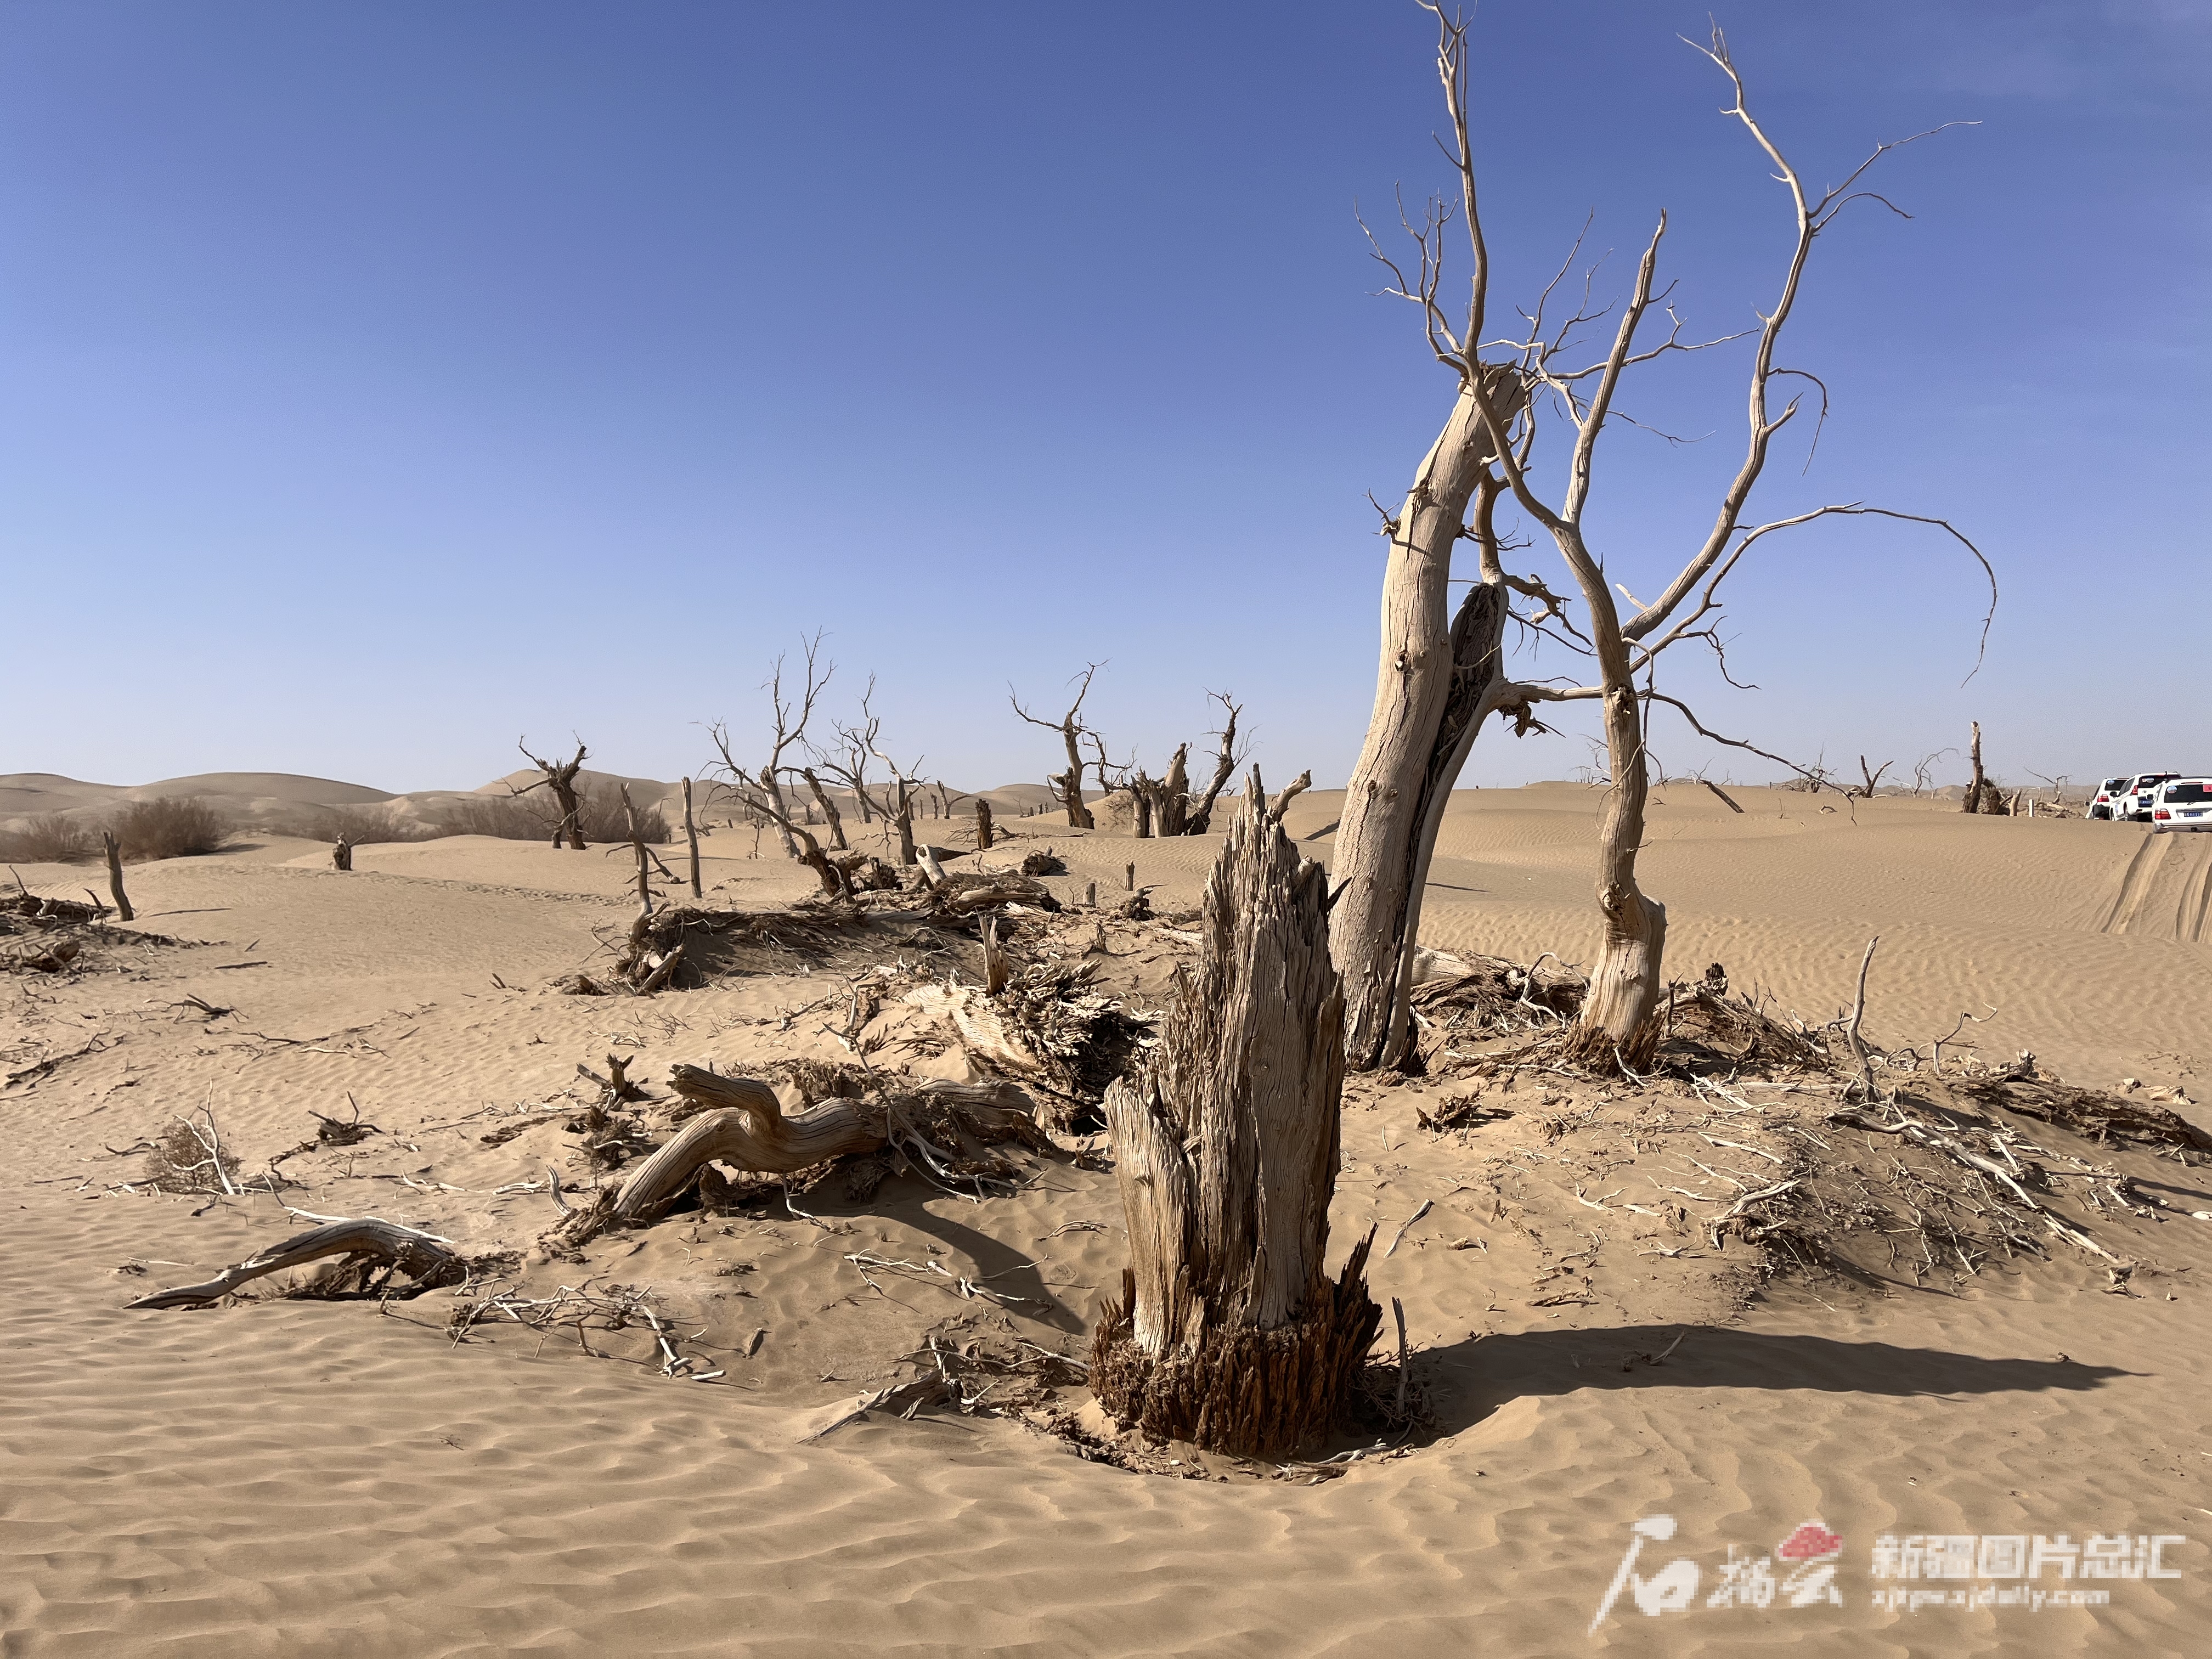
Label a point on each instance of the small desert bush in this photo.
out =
(50, 838)
(532, 816)
(181, 1163)
(366, 826)
(173, 827)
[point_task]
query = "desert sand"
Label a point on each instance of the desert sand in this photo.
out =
(302, 1478)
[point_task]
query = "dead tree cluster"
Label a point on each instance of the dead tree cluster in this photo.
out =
(1163, 806)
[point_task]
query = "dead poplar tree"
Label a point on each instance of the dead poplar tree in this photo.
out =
(751, 791)
(1228, 1333)
(691, 834)
(983, 832)
(1979, 789)
(114, 849)
(560, 778)
(790, 720)
(1201, 819)
(1072, 731)
(342, 851)
(1488, 445)
(860, 742)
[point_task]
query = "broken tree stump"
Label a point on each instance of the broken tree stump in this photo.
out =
(982, 825)
(342, 853)
(115, 875)
(1227, 1333)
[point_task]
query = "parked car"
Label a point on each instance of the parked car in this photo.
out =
(2182, 804)
(2132, 804)
(2100, 805)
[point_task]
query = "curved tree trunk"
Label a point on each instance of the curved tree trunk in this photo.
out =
(420, 1257)
(1617, 1014)
(1409, 763)
(1228, 1333)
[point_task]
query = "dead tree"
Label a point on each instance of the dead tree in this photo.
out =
(114, 849)
(1980, 791)
(752, 791)
(861, 742)
(1072, 731)
(984, 833)
(1486, 451)
(1200, 820)
(1872, 776)
(790, 721)
(561, 778)
(691, 834)
(342, 851)
(1228, 1333)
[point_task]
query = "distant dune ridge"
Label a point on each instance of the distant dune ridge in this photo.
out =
(288, 803)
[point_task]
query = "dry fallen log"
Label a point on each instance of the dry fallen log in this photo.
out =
(1227, 1333)
(740, 1122)
(419, 1255)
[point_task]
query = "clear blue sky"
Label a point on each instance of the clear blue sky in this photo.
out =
(380, 381)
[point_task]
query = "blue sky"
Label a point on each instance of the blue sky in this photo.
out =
(378, 382)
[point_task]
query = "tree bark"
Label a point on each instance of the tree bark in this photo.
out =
(1171, 811)
(984, 833)
(115, 876)
(1228, 1333)
(1437, 676)
(1616, 1020)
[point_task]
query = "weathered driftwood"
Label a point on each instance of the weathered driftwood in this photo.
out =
(1227, 1333)
(932, 872)
(423, 1258)
(739, 1122)
(115, 876)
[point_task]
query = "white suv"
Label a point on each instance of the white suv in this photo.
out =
(2182, 804)
(2102, 803)
(2131, 805)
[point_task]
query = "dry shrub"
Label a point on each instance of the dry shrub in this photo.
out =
(50, 838)
(366, 826)
(533, 817)
(181, 1163)
(173, 827)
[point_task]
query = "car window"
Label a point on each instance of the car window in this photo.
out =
(2195, 792)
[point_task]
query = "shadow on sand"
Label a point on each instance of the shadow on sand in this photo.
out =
(1483, 1373)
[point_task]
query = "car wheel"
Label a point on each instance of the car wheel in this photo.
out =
(2101, 811)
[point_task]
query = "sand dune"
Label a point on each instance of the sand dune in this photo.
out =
(303, 1478)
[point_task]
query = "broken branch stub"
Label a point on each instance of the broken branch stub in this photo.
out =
(1227, 1333)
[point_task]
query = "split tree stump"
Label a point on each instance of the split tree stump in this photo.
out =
(1228, 1333)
